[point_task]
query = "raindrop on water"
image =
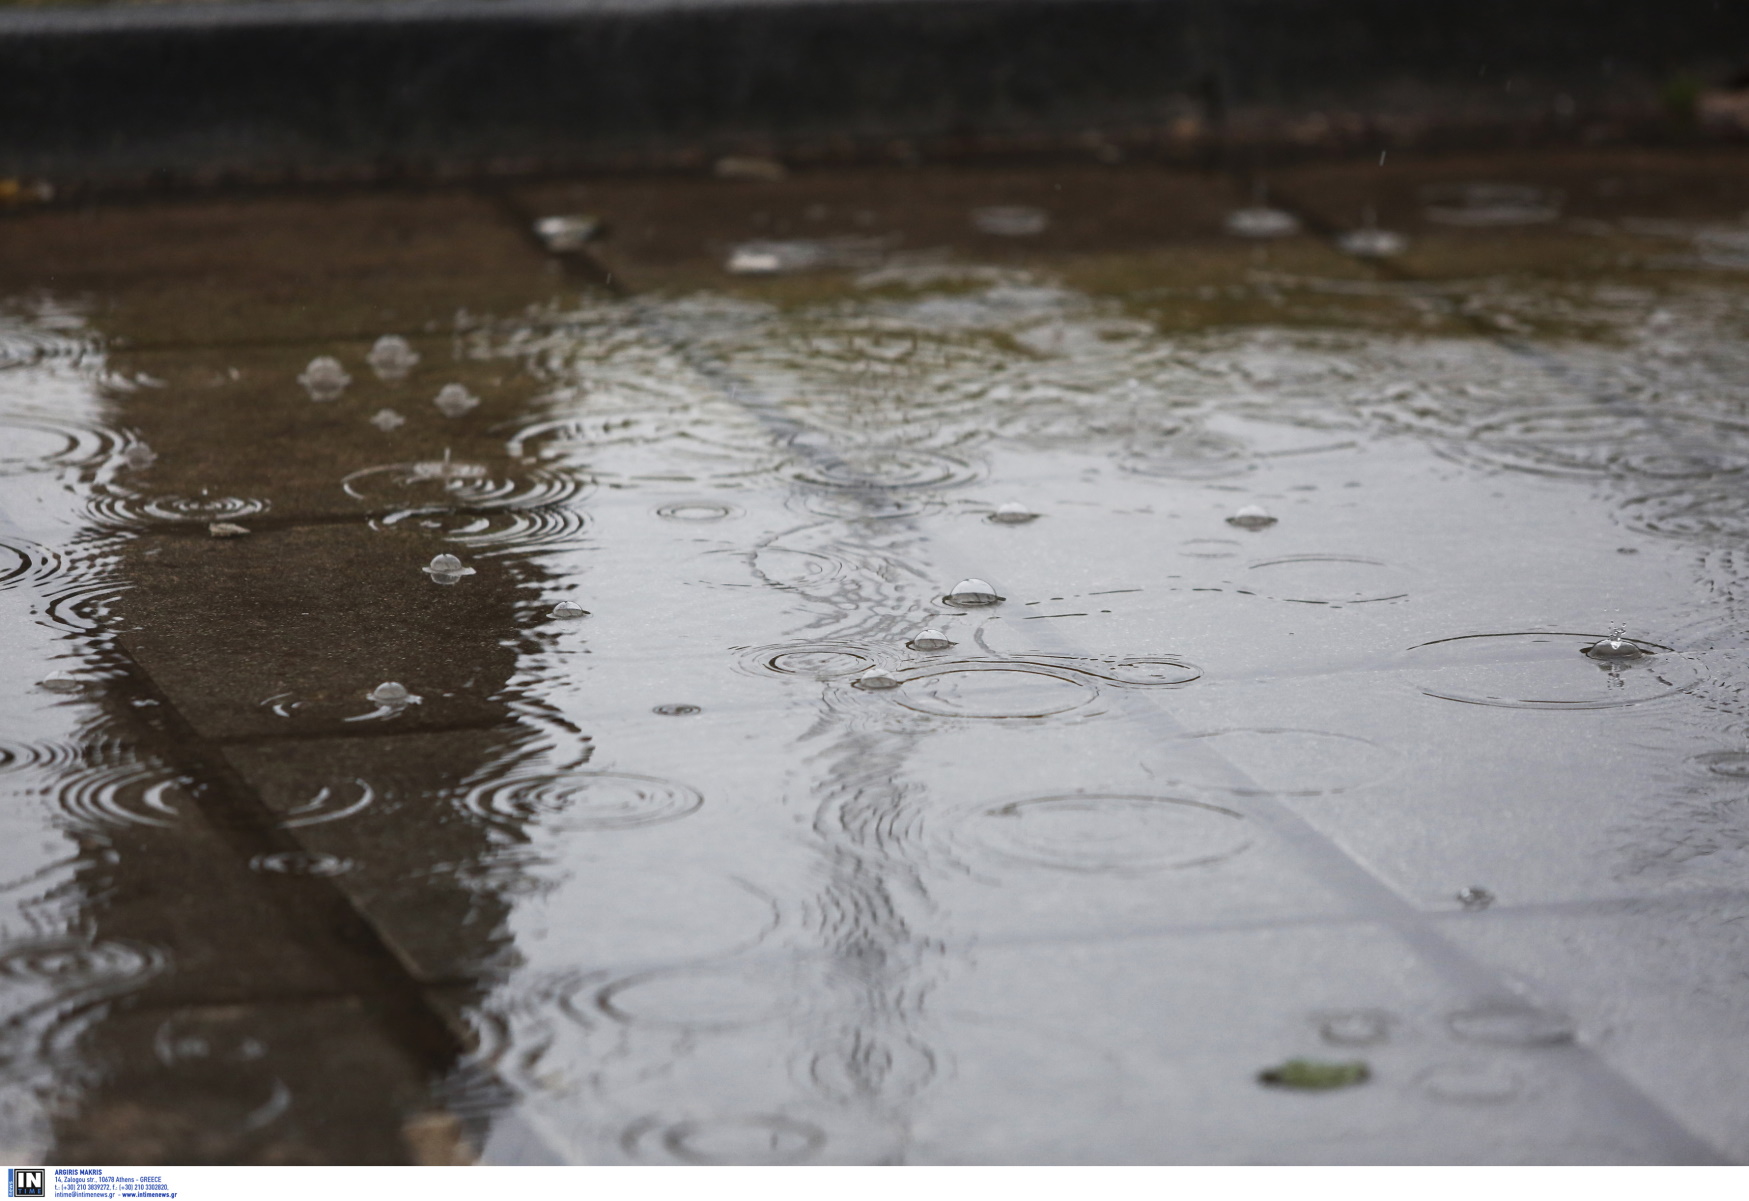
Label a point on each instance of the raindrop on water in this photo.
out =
(454, 400)
(324, 378)
(1013, 513)
(973, 592)
(1475, 897)
(139, 456)
(226, 529)
(569, 610)
(60, 681)
(1512, 1024)
(1251, 517)
(387, 420)
(392, 358)
(1614, 647)
(876, 679)
(567, 232)
(390, 692)
(930, 640)
(446, 569)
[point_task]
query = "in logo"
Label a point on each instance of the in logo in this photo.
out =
(26, 1182)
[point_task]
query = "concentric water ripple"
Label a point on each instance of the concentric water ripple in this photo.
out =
(809, 660)
(43, 442)
(117, 507)
(75, 965)
(332, 802)
(455, 484)
(580, 801)
(1710, 512)
(1138, 671)
(753, 1140)
(723, 996)
(1328, 580)
(530, 531)
(897, 469)
(698, 510)
(994, 690)
(1536, 670)
(1194, 454)
(1120, 834)
(25, 562)
(1591, 440)
(135, 794)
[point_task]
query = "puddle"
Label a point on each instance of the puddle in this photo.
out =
(689, 708)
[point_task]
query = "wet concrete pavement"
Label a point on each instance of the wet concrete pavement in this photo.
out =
(662, 884)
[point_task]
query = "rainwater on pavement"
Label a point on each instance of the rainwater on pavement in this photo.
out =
(1256, 728)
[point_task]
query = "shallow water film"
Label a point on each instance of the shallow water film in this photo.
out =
(1046, 666)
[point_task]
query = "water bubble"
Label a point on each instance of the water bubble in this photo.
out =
(390, 692)
(568, 610)
(453, 400)
(1372, 243)
(1475, 897)
(392, 358)
(973, 592)
(387, 420)
(301, 863)
(1512, 1024)
(1614, 647)
(446, 569)
(324, 378)
(139, 456)
(567, 232)
(1355, 1028)
(1260, 221)
(1013, 513)
(226, 529)
(876, 679)
(1251, 517)
(1010, 220)
(60, 681)
(677, 710)
(930, 640)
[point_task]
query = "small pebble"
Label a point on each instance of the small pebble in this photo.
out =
(226, 529)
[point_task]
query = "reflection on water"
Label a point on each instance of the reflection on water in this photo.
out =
(916, 852)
